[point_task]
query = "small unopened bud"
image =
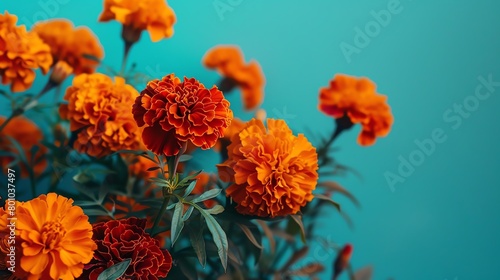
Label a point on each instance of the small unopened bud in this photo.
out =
(60, 71)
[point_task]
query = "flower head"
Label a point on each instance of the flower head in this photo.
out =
(28, 136)
(70, 44)
(175, 112)
(155, 16)
(56, 238)
(118, 240)
(229, 62)
(99, 112)
(21, 53)
(358, 100)
(273, 172)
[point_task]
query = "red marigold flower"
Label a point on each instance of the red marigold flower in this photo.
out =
(358, 100)
(118, 240)
(229, 62)
(273, 172)
(176, 112)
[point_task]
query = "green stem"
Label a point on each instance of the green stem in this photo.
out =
(27, 104)
(163, 208)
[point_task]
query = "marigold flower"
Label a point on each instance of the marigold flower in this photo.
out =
(358, 100)
(229, 62)
(28, 135)
(176, 112)
(56, 238)
(70, 44)
(4, 239)
(99, 111)
(21, 53)
(118, 240)
(273, 172)
(155, 16)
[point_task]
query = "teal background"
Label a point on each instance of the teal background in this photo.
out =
(442, 222)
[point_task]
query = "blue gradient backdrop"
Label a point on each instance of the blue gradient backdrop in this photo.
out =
(442, 222)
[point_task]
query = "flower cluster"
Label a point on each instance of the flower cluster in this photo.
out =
(175, 112)
(273, 172)
(358, 100)
(21, 53)
(229, 62)
(99, 113)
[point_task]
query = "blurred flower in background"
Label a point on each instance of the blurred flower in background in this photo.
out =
(21, 53)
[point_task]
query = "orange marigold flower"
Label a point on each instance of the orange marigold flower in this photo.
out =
(229, 62)
(56, 238)
(99, 112)
(71, 44)
(155, 16)
(273, 172)
(28, 135)
(21, 53)
(176, 112)
(358, 100)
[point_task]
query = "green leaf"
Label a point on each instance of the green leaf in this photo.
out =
(217, 209)
(333, 186)
(82, 177)
(298, 220)
(95, 212)
(249, 235)
(188, 213)
(177, 222)
(207, 195)
(184, 158)
(328, 199)
(190, 188)
(198, 243)
(297, 255)
(218, 235)
(115, 271)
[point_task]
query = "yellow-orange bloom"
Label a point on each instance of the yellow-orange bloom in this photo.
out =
(229, 62)
(28, 135)
(21, 53)
(155, 16)
(99, 110)
(56, 238)
(71, 44)
(358, 100)
(273, 172)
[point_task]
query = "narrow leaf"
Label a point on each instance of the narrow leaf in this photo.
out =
(269, 235)
(328, 199)
(177, 222)
(297, 255)
(218, 235)
(198, 243)
(190, 188)
(249, 235)
(308, 270)
(115, 271)
(207, 195)
(188, 213)
(338, 188)
(298, 220)
(217, 209)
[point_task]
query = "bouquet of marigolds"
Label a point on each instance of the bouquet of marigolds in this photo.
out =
(106, 182)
